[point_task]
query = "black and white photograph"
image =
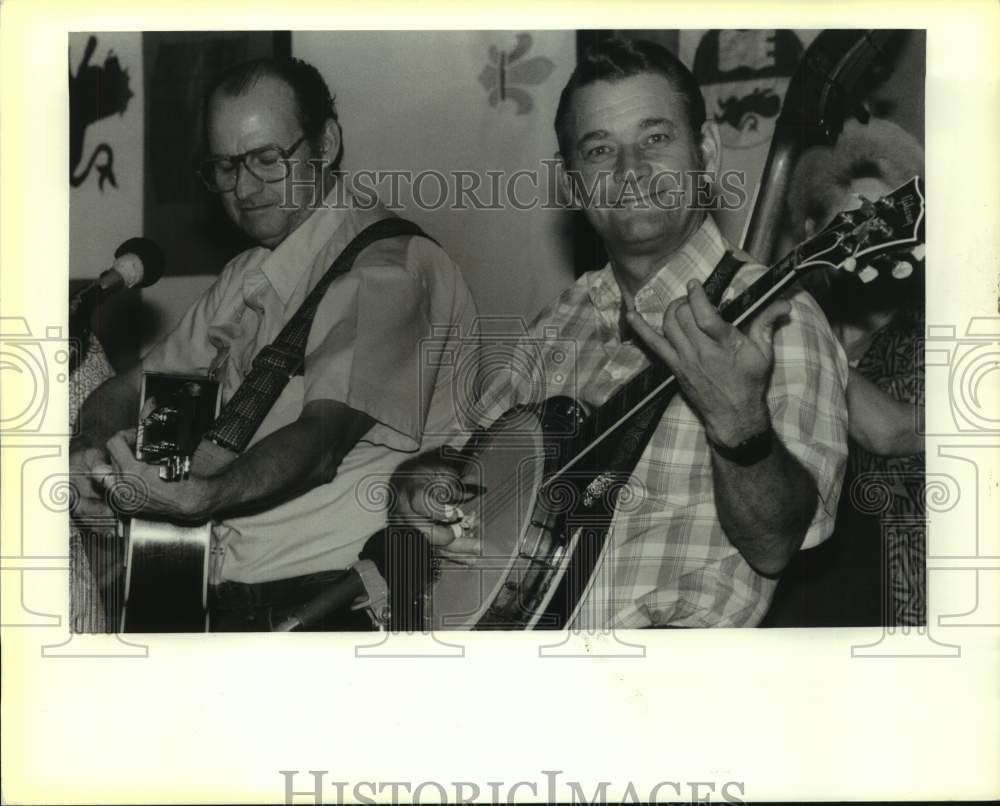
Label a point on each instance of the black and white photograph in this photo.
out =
(505, 407)
(494, 366)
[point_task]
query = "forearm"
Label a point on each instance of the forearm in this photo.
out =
(765, 508)
(290, 461)
(880, 423)
(113, 406)
(287, 463)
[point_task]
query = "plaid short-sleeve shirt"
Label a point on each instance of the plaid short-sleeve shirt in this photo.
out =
(667, 560)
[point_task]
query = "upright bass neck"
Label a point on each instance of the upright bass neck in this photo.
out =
(835, 72)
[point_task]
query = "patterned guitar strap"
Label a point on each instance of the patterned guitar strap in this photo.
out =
(639, 429)
(284, 358)
(276, 364)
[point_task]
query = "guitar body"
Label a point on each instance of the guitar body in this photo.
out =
(166, 564)
(166, 579)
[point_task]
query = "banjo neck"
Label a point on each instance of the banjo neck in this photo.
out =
(885, 237)
(647, 394)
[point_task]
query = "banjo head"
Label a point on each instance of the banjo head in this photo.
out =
(510, 468)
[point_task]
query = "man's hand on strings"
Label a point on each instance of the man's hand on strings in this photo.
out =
(429, 495)
(723, 372)
(139, 490)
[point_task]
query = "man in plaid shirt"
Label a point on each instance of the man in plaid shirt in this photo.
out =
(745, 467)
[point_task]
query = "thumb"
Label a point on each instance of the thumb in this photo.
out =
(147, 408)
(761, 332)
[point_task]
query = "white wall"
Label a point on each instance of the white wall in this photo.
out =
(100, 219)
(414, 100)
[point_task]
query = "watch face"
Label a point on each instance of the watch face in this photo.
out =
(749, 451)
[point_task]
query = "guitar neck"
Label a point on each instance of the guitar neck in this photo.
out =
(644, 397)
(643, 388)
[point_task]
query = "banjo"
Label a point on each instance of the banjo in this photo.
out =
(552, 473)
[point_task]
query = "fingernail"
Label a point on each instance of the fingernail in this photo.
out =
(452, 513)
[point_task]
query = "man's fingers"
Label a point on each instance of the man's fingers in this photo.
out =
(463, 546)
(693, 334)
(674, 331)
(438, 534)
(147, 408)
(762, 330)
(704, 314)
(432, 496)
(652, 339)
(104, 475)
(119, 449)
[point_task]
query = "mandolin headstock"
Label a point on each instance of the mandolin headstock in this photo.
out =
(883, 236)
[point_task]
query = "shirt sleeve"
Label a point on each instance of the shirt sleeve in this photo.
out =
(365, 346)
(189, 348)
(807, 401)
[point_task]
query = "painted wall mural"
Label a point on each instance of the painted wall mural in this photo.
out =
(505, 71)
(95, 92)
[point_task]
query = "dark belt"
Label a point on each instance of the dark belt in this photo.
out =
(277, 593)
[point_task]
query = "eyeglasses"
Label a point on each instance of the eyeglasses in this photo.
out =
(268, 163)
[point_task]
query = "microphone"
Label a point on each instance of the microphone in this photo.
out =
(138, 264)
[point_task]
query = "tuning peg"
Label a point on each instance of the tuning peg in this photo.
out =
(850, 264)
(919, 251)
(867, 274)
(902, 269)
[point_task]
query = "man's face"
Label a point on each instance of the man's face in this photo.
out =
(634, 136)
(266, 115)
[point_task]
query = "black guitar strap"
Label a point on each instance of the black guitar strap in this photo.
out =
(614, 462)
(720, 278)
(406, 559)
(283, 359)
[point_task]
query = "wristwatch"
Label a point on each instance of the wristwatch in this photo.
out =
(749, 451)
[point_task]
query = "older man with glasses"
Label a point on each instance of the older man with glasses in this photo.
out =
(287, 512)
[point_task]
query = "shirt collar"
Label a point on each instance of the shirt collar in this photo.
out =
(695, 260)
(291, 260)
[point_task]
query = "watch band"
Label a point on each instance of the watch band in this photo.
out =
(749, 451)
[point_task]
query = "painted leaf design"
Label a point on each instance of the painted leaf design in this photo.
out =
(522, 99)
(523, 46)
(489, 77)
(533, 71)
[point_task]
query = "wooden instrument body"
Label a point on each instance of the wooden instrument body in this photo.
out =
(167, 564)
